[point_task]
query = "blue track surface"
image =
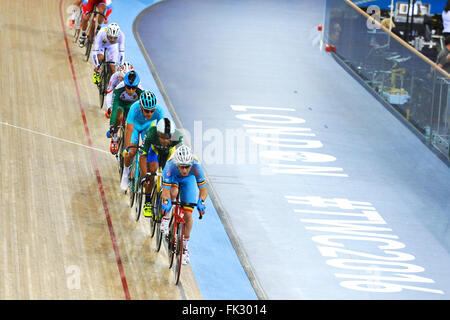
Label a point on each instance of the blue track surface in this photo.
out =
(344, 202)
(215, 264)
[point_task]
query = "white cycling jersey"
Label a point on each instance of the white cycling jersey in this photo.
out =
(115, 51)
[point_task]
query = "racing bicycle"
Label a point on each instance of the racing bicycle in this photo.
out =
(175, 236)
(91, 31)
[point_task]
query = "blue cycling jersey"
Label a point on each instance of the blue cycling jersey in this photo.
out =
(136, 117)
(172, 176)
(140, 123)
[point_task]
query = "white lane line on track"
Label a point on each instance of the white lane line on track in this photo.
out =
(53, 137)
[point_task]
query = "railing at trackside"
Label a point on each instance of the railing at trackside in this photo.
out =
(416, 88)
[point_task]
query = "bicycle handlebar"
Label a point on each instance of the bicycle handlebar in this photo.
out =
(137, 147)
(186, 204)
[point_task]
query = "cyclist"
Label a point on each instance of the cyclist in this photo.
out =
(112, 39)
(116, 78)
(77, 11)
(183, 170)
(140, 117)
(159, 144)
(125, 94)
(103, 6)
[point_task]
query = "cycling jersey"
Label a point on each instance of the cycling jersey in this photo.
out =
(187, 185)
(155, 151)
(122, 100)
(141, 124)
(115, 51)
(113, 82)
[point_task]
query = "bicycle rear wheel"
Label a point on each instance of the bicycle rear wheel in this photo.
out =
(89, 40)
(179, 251)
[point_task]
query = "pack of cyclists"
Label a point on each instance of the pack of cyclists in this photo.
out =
(146, 124)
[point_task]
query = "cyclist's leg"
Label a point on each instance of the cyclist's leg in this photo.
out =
(129, 157)
(86, 7)
(151, 165)
(114, 146)
(188, 194)
(101, 7)
(148, 164)
(132, 151)
(100, 57)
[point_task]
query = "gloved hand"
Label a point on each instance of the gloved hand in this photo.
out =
(201, 206)
(110, 131)
(166, 205)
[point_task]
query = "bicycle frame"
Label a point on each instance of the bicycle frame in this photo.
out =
(176, 235)
(105, 75)
(134, 181)
(91, 31)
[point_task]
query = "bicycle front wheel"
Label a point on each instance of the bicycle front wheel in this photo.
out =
(131, 188)
(138, 205)
(171, 242)
(154, 219)
(89, 41)
(179, 251)
(103, 85)
(88, 48)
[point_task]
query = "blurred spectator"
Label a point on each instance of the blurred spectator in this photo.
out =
(443, 59)
(446, 19)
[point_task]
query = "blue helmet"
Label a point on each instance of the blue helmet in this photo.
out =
(131, 79)
(147, 99)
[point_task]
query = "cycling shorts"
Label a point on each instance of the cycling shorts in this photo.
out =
(189, 190)
(152, 156)
(140, 129)
(89, 5)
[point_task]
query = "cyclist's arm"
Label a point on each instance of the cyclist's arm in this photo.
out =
(113, 82)
(97, 45)
(121, 47)
(167, 182)
(197, 171)
(115, 105)
(128, 132)
(177, 138)
(147, 142)
(203, 193)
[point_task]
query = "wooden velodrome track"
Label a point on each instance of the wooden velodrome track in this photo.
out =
(66, 229)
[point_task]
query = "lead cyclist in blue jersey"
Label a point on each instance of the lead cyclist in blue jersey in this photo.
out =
(183, 170)
(140, 117)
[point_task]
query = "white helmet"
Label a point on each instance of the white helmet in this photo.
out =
(183, 155)
(113, 30)
(166, 127)
(124, 68)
